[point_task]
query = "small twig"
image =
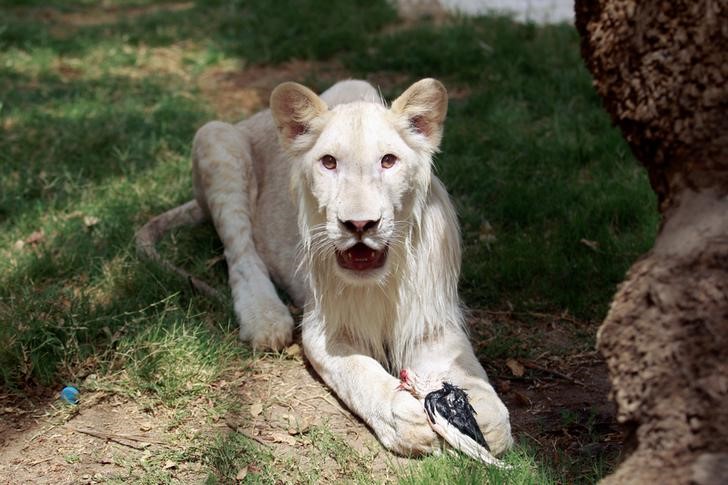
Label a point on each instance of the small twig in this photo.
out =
(39, 433)
(338, 408)
(532, 437)
(253, 437)
(515, 378)
(564, 316)
(325, 398)
(533, 365)
(119, 438)
(38, 462)
(304, 403)
(240, 430)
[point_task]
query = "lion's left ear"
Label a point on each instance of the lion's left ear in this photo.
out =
(424, 104)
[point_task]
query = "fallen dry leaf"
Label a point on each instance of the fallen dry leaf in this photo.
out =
(487, 233)
(296, 424)
(293, 350)
(299, 427)
(593, 245)
(72, 215)
(90, 221)
(521, 398)
(242, 473)
(213, 261)
(256, 408)
(169, 464)
(516, 367)
(35, 237)
(504, 386)
(283, 438)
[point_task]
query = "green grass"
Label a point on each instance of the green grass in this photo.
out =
(229, 454)
(92, 126)
(459, 469)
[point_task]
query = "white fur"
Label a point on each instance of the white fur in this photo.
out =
(277, 210)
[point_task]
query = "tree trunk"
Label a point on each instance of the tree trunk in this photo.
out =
(662, 69)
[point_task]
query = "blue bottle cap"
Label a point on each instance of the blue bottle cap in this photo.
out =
(70, 395)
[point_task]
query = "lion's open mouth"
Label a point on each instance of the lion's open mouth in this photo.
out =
(361, 257)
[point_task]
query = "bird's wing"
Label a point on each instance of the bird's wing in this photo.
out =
(463, 442)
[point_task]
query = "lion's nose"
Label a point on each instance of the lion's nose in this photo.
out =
(359, 227)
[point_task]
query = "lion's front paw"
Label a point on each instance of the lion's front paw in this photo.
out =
(409, 433)
(275, 338)
(498, 435)
(492, 417)
(267, 329)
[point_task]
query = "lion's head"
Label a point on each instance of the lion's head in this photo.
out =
(361, 172)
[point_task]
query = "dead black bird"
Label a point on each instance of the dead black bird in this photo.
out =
(450, 415)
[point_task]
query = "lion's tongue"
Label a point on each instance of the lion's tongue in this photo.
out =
(360, 257)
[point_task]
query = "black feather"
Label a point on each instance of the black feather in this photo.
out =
(452, 403)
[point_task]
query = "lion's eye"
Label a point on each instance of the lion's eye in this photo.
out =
(388, 160)
(328, 162)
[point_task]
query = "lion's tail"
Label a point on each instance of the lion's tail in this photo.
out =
(152, 232)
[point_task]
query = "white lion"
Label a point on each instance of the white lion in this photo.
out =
(334, 199)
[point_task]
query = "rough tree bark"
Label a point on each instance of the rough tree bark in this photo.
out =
(661, 68)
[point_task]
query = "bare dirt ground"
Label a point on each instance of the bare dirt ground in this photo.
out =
(105, 437)
(100, 14)
(557, 399)
(111, 437)
(237, 93)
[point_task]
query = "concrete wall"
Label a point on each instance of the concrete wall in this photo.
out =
(538, 11)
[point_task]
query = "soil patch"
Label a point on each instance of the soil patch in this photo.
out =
(284, 408)
(238, 93)
(284, 405)
(88, 16)
(108, 437)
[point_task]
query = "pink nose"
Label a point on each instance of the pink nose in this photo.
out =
(359, 226)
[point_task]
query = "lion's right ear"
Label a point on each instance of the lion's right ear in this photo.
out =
(295, 109)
